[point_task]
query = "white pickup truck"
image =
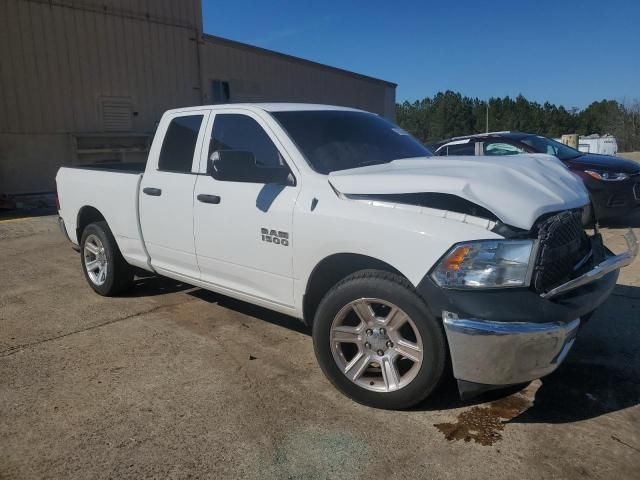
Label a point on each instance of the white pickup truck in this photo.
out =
(404, 264)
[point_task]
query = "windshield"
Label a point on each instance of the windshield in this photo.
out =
(551, 147)
(334, 140)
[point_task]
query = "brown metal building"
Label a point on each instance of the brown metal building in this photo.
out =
(87, 80)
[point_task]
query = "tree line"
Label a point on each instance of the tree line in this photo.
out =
(449, 114)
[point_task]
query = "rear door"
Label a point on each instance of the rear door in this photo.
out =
(243, 240)
(166, 197)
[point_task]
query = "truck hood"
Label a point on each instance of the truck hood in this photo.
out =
(517, 189)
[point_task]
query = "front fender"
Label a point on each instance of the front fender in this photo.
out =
(410, 239)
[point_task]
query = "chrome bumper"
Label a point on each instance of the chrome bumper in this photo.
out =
(505, 353)
(608, 265)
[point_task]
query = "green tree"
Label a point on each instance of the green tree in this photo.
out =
(448, 114)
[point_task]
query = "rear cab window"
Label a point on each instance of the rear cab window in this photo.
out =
(179, 144)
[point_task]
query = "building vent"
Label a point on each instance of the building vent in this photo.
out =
(116, 114)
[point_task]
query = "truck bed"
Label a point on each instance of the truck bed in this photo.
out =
(121, 167)
(111, 189)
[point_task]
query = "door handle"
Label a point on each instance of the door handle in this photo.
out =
(154, 192)
(215, 199)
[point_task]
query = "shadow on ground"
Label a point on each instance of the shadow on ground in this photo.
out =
(147, 285)
(245, 308)
(602, 373)
(599, 376)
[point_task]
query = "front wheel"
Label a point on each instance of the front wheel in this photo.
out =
(105, 269)
(377, 342)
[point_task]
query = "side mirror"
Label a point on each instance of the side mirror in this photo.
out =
(241, 166)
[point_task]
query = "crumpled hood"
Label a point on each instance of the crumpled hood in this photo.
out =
(517, 189)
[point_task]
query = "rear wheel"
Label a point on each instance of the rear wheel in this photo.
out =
(377, 342)
(105, 269)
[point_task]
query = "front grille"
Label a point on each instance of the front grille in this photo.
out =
(636, 191)
(562, 244)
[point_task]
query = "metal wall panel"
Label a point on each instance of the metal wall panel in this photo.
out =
(60, 56)
(60, 60)
(258, 75)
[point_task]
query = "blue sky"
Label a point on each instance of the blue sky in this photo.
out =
(568, 52)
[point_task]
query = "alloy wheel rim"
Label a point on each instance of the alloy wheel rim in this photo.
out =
(95, 260)
(376, 345)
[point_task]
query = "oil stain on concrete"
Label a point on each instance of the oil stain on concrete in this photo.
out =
(484, 424)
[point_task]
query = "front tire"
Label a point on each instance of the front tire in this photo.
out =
(106, 271)
(377, 342)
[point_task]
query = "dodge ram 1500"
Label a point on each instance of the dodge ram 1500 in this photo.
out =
(402, 263)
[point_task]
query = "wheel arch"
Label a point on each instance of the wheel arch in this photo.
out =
(86, 216)
(330, 270)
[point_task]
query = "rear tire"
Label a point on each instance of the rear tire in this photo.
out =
(377, 342)
(104, 267)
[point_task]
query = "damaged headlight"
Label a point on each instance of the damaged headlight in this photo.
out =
(486, 264)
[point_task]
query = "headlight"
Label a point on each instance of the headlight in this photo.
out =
(607, 176)
(486, 264)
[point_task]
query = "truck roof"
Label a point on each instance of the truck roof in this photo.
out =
(269, 107)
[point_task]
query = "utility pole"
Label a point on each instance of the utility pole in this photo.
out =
(487, 117)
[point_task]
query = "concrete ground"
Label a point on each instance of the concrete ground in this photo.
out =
(175, 382)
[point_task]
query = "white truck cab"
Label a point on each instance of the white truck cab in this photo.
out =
(340, 218)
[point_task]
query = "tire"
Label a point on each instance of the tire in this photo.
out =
(111, 274)
(375, 294)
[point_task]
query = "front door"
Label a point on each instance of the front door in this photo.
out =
(166, 196)
(243, 239)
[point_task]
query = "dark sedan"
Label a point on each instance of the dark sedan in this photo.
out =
(613, 182)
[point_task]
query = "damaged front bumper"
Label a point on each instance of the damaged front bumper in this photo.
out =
(611, 263)
(503, 353)
(505, 337)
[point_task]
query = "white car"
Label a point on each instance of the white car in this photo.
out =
(400, 261)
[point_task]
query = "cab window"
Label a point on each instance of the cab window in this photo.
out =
(179, 144)
(233, 131)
